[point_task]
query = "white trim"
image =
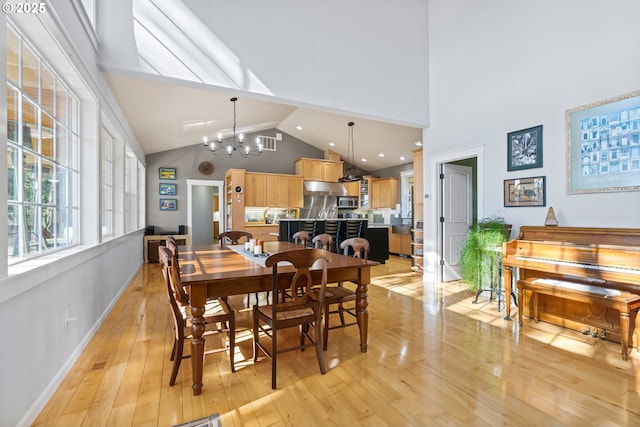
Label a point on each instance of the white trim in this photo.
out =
(210, 183)
(432, 260)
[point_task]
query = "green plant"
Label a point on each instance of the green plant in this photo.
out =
(484, 239)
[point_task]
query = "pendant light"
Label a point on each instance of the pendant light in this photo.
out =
(351, 172)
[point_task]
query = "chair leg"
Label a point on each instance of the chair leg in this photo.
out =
(176, 362)
(341, 313)
(173, 350)
(325, 330)
(274, 357)
(319, 346)
(232, 343)
(255, 335)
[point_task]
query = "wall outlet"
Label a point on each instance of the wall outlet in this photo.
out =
(427, 196)
(68, 319)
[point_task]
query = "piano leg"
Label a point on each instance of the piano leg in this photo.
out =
(624, 334)
(506, 277)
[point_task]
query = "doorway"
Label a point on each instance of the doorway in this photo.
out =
(205, 201)
(448, 238)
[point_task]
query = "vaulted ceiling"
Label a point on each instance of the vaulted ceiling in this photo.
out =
(165, 116)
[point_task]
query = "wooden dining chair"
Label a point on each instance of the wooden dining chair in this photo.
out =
(339, 294)
(303, 310)
(234, 237)
(323, 241)
(301, 237)
(216, 312)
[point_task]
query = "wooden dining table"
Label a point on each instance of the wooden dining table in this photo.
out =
(210, 271)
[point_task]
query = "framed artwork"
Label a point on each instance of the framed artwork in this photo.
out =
(523, 192)
(524, 149)
(419, 224)
(167, 173)
(167, 189)
(603, 146)
(168, 204)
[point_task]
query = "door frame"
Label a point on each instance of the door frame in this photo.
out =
(209, 183)
(435, 168)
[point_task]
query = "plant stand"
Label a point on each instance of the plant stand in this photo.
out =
(493, 257)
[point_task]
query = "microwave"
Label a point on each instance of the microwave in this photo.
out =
(349, 202)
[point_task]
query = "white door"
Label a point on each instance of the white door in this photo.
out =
(457, 213)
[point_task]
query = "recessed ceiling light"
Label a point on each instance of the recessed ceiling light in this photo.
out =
(331, 144)
(363, 160)
(299, 127)
(380, 154)
(402, 158)
(418, 143)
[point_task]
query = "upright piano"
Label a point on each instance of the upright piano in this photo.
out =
(606, 258)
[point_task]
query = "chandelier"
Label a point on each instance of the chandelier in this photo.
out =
(236, 144)
(351, 173)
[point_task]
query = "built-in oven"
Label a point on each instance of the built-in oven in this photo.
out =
(347, 202)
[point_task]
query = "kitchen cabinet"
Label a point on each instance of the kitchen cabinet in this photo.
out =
(273, 190)
(400, 242)
(255, 189)
(384, 193)
(353, 188)
(266, 232)
(319, 169)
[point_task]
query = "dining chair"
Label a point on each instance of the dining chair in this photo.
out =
(216, 312)
(322, 241)
(301, 237)
(233, 237)
(339, 294)
(303, 310)
(171, 244)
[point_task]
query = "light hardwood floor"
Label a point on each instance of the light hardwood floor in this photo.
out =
(434, 359)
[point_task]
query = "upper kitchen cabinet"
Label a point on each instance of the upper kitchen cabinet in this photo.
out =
(319, 170)
(273, 190)
(353, 188)
(384, 193)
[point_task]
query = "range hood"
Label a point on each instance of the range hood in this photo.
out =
(321, 188)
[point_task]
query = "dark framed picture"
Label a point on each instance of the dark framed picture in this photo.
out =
(419, 225)
(603, 146)
(524, 149)
(168, 204)
(167, 189)
(523, 192)
(167, 173)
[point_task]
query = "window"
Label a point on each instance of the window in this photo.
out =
(42, 153)
(106, 142)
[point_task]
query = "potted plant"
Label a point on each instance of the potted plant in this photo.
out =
(482, 244)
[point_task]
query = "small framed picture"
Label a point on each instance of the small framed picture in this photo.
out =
(167, 173)
(167, 189)
(524, 149)
(168, 204)
(525, 192)
(419, 224)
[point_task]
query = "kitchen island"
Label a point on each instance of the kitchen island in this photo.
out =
(348, 227)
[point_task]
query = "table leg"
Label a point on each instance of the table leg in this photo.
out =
(362, 307)
(197, 298)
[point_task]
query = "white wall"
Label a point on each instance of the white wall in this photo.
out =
(38, 350)
(362, 56)
(499, 66)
